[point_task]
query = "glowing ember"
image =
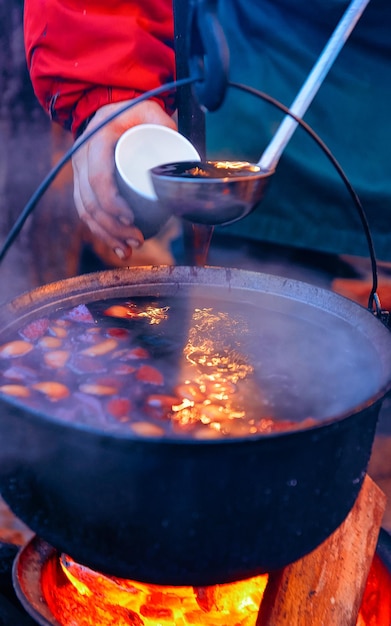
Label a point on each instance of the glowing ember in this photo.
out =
(86, 598)
(78, 596)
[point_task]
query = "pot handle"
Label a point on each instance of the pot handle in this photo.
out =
(374, 305)
(208, 63)
(383, 315)
(207, 38)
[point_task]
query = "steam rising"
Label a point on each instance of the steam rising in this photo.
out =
(304, 362)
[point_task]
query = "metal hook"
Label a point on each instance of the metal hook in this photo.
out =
(374, 306)
(208, 54)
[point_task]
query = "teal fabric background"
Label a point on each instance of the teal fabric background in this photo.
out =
(273, 46)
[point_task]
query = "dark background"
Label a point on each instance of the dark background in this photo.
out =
(48, 247)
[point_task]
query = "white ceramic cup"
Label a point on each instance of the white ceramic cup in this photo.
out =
(137, 151)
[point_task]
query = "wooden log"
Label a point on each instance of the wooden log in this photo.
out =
(326, 586)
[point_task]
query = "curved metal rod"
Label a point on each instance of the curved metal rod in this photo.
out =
(45, 184)
(32, 202)
(372, 301)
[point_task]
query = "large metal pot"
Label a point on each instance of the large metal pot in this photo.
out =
(205, 512)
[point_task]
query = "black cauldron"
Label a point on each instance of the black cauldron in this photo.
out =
(192, 512)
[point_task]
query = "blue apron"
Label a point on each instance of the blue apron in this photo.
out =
(273, 46)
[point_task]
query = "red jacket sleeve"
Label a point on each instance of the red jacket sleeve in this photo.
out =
(84, 54)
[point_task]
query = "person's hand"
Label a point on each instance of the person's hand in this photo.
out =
(96, 195)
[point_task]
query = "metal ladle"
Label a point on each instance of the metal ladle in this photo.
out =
(222, 192)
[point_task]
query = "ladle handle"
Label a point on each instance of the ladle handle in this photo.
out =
(273, 152)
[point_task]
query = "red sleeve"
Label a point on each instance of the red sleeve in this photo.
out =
(84, 54)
